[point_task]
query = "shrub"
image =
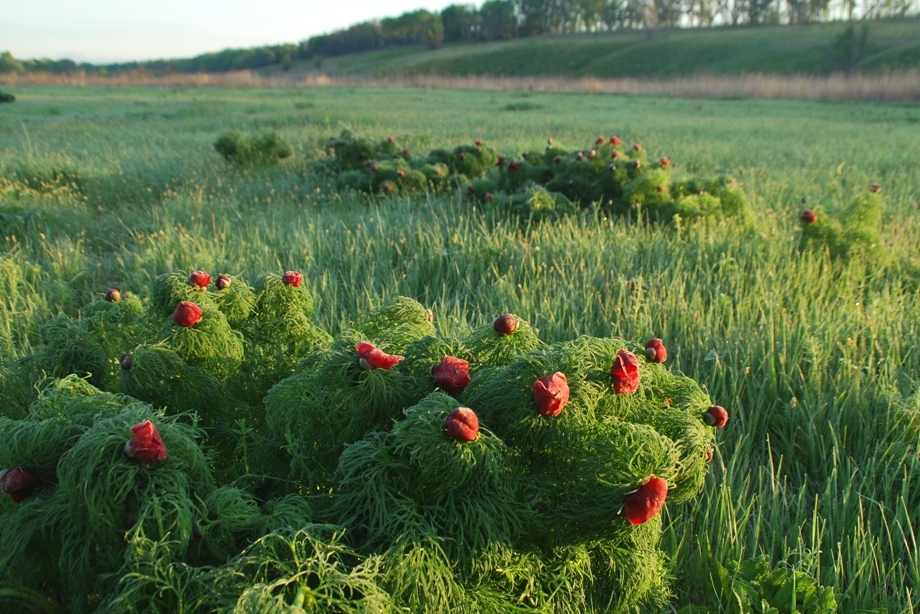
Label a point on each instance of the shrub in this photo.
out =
(267, 148)
(6, 97)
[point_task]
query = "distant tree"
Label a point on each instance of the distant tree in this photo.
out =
(849, 47)
(460, 22)
(498, 20)
(10, 64)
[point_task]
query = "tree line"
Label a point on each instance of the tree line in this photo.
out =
(498, 20)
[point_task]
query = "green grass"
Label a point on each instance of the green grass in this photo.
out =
(892, 44)
(818, 362)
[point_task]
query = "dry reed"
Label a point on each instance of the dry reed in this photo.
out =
(900, 86)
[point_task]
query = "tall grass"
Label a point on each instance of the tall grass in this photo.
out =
(816, 360)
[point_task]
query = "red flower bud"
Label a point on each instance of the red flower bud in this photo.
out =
(223, 282)
(501, 161)
(637, 164)
(709, 453)
(390, 139)
(615, 153)
(292, 278)
(642, 505)
(187, 313)
(18, 483)
(716, 416)
(505, 324)
(126, 361)
(478, 142)
(488, 197)
(462, 156)
(557, 160)
(146, 445)
(655, 350)
(470, 190)
(401, 173)
(600, 140)
(437, 171)
(666, 161)
(591, 154)
(807, 216)
(462, 424)
(624, 374)
(637, 146)
(113, 295)
(580, 156)
(405, 151)
(374, 167)
(199, 279)
(551, 392)
(388, 187)
(614, 140)
(370, 357)
(875, 187)
(660, 189)
(452, 375)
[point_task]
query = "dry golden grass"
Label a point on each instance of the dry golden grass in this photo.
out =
(901, 86)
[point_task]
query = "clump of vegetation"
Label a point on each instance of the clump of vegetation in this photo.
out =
(847, 230)
(235, 455)
(267, 148)
(543, 184)
(6, 97)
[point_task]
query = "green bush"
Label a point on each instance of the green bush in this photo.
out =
(6, 97)
(267, 148)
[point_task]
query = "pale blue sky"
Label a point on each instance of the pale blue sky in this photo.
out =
(120, 30)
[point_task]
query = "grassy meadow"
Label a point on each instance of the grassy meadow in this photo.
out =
(817, 360)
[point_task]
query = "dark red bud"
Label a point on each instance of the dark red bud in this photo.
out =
(126, 361)
(655, 350)
(505, 324)
(187, 314)
(113, 295)
(644, 504)
(199, 279)
(292, 278)
(716, 416)
(452, 375)
(808, 217)
(462, 424)
(223, 282)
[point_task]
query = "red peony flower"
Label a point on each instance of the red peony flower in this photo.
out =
(600, 140)
(666, 161)
(716, 416)
(637, 146)
(642, 505)
(146, 446)
(488, 197)
(551, 392)
(199, 279)
(113, 295)
(808, 217)
(187, 313)
(452, 374)
(292, 278)
(223, 282)
(370, 357)
(501, 161)
(655, 350)
(505, 324)
(462, 424)
(18, 483)
(624, 374)
(614, 140)
(126, 361)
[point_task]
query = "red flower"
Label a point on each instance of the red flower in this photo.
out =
(488, 197)
(126, 361)
(462, 424)
(646, 502)
(199, 279)
(452, 374)
(146, 446)
(807, 216)
(223, 282)
(551, 392)
(292, 278)
(600, 140)
(113, 295)
(501, 161)
(505, 324)
(401, 173)
(655, 350)
(666, 161)
(614, 140)
(716, 416)
(624, 374)
(637, 146)
(187, 313)
(18, 483)
(370, 357)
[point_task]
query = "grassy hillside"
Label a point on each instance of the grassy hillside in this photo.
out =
(779, 50)
(815, 358)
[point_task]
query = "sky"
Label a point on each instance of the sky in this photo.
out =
(105, 31)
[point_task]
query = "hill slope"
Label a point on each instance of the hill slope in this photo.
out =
(891, 45)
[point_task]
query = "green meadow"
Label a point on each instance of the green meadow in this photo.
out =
(816, 359)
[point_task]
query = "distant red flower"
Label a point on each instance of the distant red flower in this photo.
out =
(452, 375)
(551, 392)
(716, 416)
(462, 424)
(370, 357)
(18, 483)
(292, 278)
(655, 350)
(187, 314)
(624, 374)
(113, 295)
(642, 505)
(614, 140)
(199, 279)
(146, 446)
(223, 282)
(637, 146)
(600, 140)
(808, 216)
